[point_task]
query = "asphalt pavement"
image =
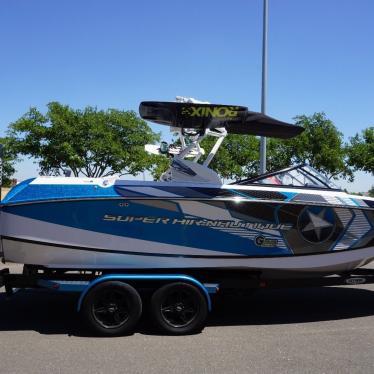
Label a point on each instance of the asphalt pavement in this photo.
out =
(314, 330)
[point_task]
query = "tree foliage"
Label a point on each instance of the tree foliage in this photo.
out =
(8, 161)
(160, 165)
(237, 158)
(91, 142)
(321, 145)
(99, 143)
(361, 151)
(371, 191)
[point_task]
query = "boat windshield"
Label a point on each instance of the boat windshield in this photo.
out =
(297, 176)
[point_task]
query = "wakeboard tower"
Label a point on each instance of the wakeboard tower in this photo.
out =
(193, 121)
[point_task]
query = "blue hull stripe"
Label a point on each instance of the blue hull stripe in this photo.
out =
(89, 215)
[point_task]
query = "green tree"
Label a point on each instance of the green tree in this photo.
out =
(371, 191)
(8, 161)
(160, 164)
(361, 151)
(321, 145)
(237, 158)
(91, 142)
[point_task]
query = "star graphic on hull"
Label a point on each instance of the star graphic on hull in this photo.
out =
(317, 223)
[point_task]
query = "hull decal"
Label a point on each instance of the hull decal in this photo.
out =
(359, 227)
(134, 253)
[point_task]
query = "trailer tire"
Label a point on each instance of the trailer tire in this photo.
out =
(179, 308)
(112, 308)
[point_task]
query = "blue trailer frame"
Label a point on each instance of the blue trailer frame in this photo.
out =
(83, 287)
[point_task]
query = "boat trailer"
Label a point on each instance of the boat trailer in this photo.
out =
(111, 303)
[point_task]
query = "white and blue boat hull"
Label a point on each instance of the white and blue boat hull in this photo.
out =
(143, 225)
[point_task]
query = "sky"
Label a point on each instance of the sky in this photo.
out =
(114, 54)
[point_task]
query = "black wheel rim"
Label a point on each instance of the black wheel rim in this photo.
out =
(179, 308)
(111, 309)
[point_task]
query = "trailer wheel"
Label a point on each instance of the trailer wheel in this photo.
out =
(112, 308)
(179, 308)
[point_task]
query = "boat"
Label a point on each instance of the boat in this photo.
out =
(282, 224)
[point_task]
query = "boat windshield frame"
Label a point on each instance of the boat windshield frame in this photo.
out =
(318, 180)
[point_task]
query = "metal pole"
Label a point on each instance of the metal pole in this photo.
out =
(264, 79)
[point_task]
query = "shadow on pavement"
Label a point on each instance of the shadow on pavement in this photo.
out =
(52, 313)
(297, 305)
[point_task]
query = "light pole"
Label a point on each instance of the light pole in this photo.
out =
(264, 79)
